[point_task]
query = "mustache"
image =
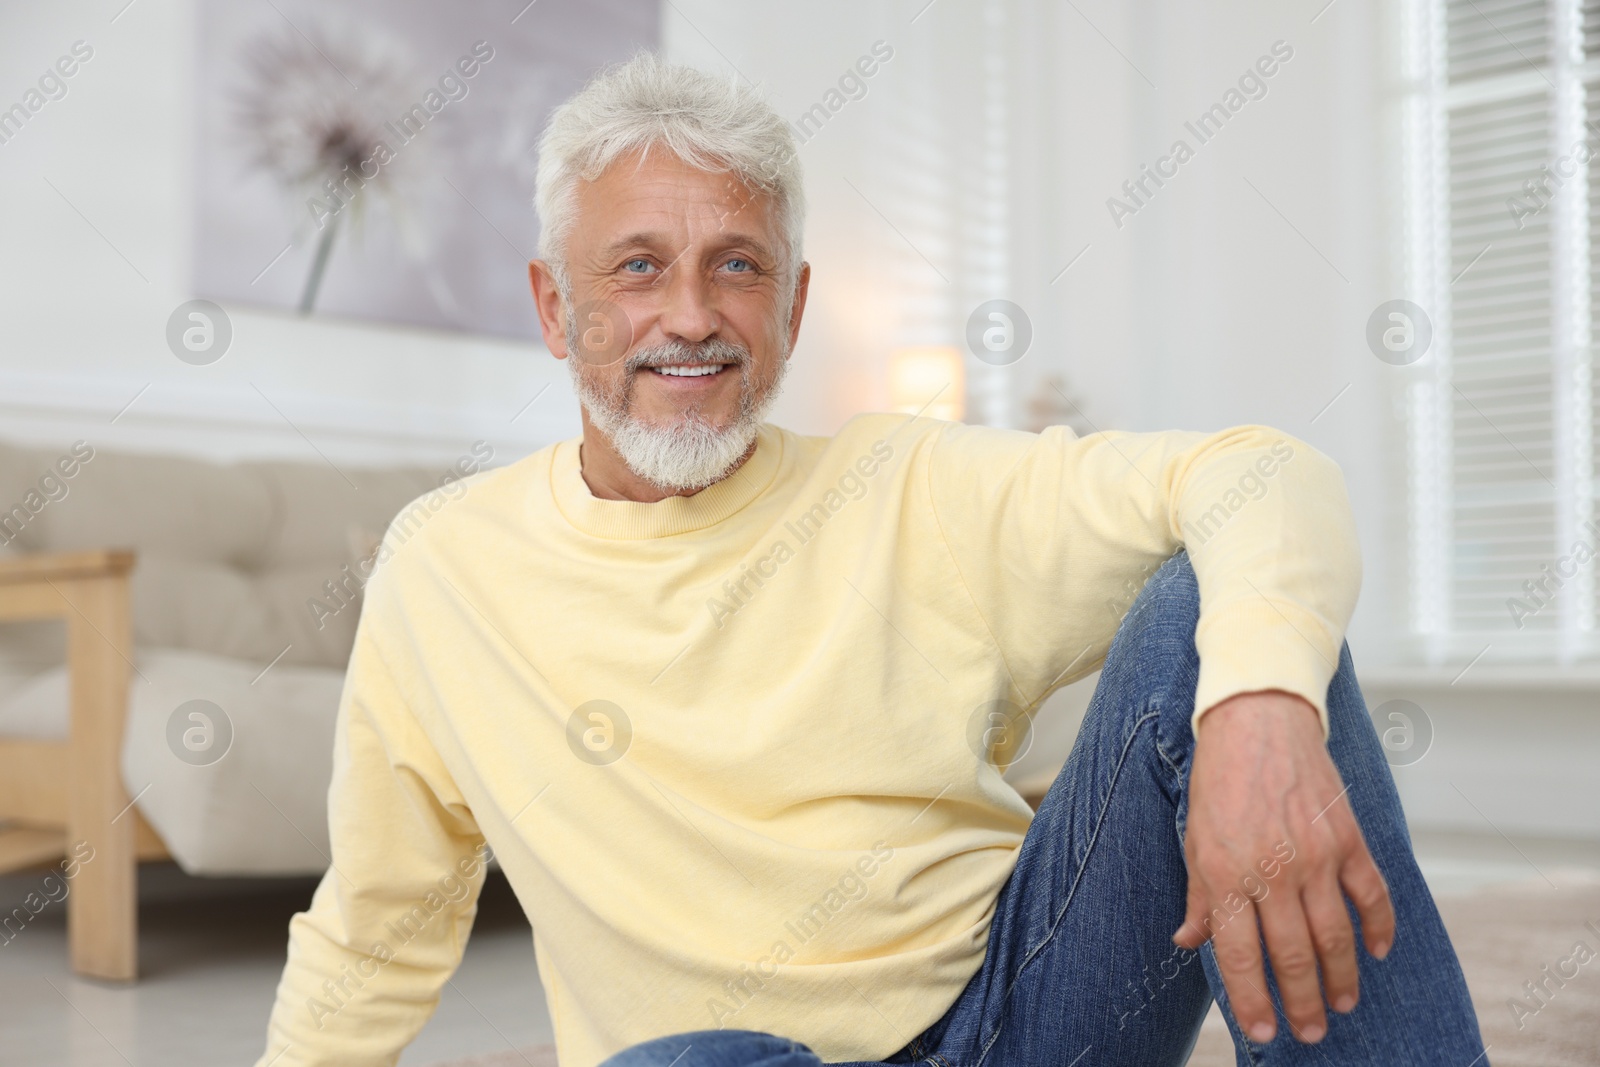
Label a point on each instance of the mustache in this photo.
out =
(714, 350)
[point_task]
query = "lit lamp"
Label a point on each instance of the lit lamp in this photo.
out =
(923, 373)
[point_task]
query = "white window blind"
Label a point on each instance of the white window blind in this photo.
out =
(1502, 236)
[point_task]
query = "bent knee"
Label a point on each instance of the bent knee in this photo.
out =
(1165, 613)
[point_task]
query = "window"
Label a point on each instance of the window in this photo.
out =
(1502, 249)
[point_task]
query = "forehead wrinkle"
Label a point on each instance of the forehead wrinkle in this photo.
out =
(640, 238)
(671, 179)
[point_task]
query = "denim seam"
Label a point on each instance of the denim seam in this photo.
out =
(1240, 1042)
(1055, 924)
(1171, 766)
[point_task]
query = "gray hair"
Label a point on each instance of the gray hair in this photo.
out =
(709, 123)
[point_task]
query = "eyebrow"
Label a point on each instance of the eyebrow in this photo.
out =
(652, 240)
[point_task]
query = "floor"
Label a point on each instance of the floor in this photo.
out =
(212, 951)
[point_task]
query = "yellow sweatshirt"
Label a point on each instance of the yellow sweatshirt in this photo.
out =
(739, 753)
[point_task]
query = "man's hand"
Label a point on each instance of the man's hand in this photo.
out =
(1271, 837)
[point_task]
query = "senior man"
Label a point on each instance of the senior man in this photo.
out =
(730, 705)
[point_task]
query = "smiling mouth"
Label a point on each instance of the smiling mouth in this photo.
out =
(690, 370)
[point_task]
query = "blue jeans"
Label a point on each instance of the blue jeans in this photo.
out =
(1080, 968)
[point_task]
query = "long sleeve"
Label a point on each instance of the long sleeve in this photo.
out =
(389, 921)
(1054, 535)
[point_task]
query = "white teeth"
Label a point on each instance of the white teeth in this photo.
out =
(689, 372)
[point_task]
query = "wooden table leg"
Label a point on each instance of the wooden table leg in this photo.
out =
(102, 906)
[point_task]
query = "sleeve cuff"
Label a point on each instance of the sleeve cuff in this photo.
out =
(1249, 646)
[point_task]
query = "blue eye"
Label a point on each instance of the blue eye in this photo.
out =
(740, 265)
(636, 266)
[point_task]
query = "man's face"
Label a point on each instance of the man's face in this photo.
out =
(680, 320)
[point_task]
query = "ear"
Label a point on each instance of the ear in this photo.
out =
(802, 285)
(547, 301)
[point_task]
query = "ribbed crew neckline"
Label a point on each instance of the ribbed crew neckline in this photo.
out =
(631, 520)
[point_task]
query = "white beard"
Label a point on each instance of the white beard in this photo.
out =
(688, 454)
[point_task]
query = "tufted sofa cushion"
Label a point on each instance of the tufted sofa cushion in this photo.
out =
(229, 555)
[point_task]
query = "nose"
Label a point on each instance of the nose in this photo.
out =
(687, 312)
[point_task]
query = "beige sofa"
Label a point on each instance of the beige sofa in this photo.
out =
(186, 707)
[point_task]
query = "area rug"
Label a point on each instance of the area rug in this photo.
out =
(1505, 937)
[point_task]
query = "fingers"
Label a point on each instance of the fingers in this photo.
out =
(1370, 894)
(1192, 933)
(1294, 964)
(1335, 941)
(1238, 949)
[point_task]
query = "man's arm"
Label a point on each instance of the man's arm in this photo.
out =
(1055, 534)
(390, 919)
(1060, 532)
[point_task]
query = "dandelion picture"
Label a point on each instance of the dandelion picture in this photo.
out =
(316, 117)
